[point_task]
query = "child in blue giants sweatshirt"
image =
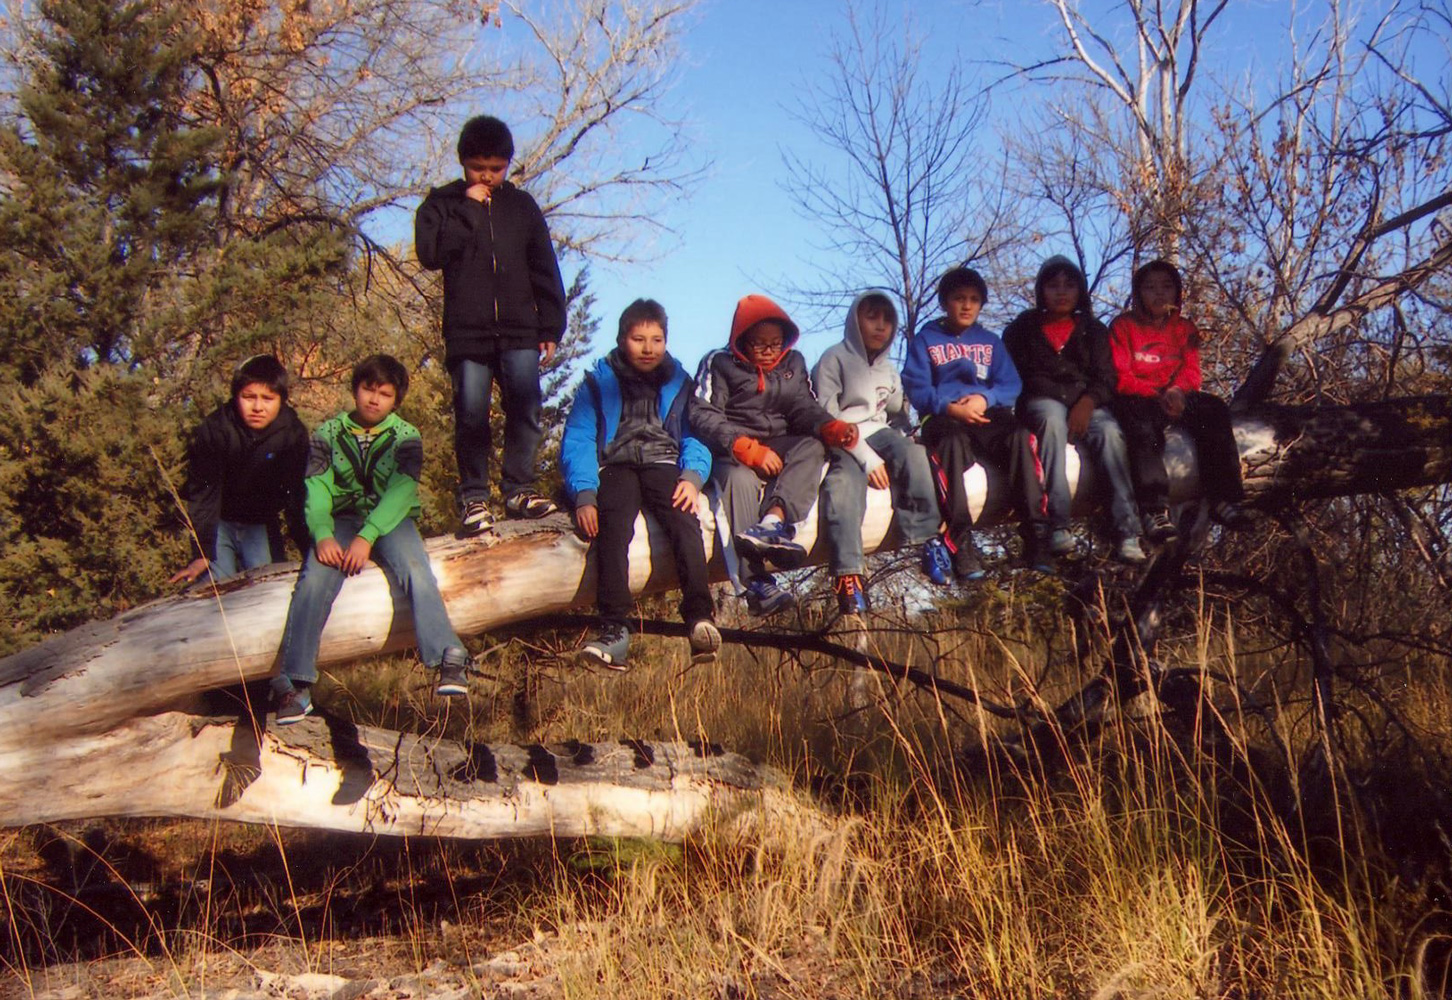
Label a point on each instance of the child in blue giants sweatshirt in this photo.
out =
(961, 380)
(628, 445)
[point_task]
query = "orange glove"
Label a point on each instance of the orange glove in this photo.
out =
(838, 434)
(749, 452)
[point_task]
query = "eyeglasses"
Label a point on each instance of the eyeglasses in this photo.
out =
(767, 347)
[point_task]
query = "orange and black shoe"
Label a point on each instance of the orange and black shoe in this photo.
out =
(851, 594)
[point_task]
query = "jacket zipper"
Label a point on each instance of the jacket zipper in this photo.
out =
(493, 260)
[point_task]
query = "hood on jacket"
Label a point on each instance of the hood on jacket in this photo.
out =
(852, 333)
(754, 309)
(1058, 264)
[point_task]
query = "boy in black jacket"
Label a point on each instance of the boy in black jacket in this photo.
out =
(1062, 354)
(755, 408)
(244, 465)
(504, 313)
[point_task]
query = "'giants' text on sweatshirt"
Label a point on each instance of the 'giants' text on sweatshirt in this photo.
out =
(943, 367)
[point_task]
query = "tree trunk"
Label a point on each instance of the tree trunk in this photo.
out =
(89, 719)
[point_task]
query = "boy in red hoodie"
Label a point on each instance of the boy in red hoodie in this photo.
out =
(1157, 357)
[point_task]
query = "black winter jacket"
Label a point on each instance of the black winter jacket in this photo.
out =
(732, 401)
(234, 474)
(502, 286)
(1083, 367)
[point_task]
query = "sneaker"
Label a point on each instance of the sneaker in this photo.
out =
(453, 673)
(1232, 515)
(1129, 550)
(1039, 557)
(772, 541)
(1159, 527)
(477, 517)
(705, 641)
(1062, 543)
(764, 597)
(967, 564)
(529, 504)
(294, 706)
(937, 562)
(608, 647)
(851, 595)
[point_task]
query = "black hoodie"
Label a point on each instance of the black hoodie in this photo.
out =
(502, 286)
(1084, 367)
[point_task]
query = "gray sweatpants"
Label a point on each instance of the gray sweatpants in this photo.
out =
(746, 495)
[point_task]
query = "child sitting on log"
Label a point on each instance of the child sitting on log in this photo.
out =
(244, 467)
(362, 498)
(856, 381)
(1157, 357)
(628, 446)
(756, 410)
(960, 378)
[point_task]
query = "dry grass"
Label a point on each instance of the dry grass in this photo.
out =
(1219, 853)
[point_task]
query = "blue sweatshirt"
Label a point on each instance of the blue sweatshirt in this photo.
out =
(943, 367)
(594, 421)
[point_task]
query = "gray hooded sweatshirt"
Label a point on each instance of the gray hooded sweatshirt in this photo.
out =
(862, 392)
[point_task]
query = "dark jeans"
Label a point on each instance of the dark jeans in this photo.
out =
(1206, 419)
(954, 446)
(517, 371)
(626, 490)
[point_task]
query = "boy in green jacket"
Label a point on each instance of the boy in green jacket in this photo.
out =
(361, 501)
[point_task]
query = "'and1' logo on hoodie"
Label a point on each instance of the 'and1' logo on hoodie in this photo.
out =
(981, 355)
(1147, 357)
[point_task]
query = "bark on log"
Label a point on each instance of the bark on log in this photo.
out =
(89, 696)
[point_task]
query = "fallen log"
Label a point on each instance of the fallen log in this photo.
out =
(103, 692)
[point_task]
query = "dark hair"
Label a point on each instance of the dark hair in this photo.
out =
(642, 311)
(485, 136)
(381, 369)
(262, 368)
(961, 276)
(1159, 264)
(881, 301)
(1054, 266)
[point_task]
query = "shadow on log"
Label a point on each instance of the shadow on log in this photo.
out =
(102, 711)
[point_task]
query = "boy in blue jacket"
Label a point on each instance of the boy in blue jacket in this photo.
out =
(961, 380)
(628, 445)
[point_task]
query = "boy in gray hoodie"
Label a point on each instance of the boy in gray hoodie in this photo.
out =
(857, 382)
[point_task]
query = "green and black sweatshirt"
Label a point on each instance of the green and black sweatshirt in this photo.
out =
(365, 472)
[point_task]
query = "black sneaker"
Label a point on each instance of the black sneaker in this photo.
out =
(705, 641)
(530, 505)
(1159, 527)
(967, 564)
(1232, 515)
(477, 518)
(608, 646)
(453, 673)
(294, 706)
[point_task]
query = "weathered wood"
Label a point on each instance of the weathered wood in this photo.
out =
(94, 687)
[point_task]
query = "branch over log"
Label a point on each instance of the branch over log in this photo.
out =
(105, 706)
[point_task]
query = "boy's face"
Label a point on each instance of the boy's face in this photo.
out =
(486, 170)
(372, 402)
(961, 308)
(764, 342)
(876, 327)
(258, 405)
(644, 346)
(1061, 294)
(1157, 294)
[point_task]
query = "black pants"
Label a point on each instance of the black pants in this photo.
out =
(954, 446)
(1206, 419)
(624, 491)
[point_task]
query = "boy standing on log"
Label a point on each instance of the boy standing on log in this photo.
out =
(244, 466)
(856, 381)
(1157, 357)
(504, 314)
(756, 410)
(962, 381)
(362, 498)
(628, 446)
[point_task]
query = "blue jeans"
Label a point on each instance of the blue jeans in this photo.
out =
(240, 546)
(401, 555)
(1104, 441)
(517, 371)
(844, 497)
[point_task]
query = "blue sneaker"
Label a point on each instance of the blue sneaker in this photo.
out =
(937, 562)
(764, 597)
(773, 542)
(608, 647)
(851, 595)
